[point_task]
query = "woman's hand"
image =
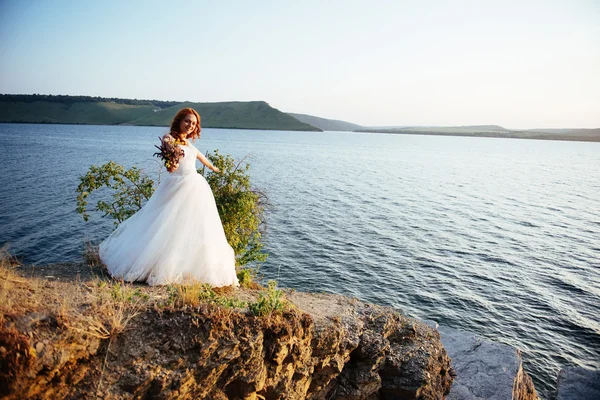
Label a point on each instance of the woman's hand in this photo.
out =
(206, 162)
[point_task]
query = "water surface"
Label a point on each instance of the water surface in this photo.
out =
(500, 237)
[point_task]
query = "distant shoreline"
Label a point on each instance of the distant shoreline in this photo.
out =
(510, 135)
(247, 115)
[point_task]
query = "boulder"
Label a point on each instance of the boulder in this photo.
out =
(576, 383)
(485, 369)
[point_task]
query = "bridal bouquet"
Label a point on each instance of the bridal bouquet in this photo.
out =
(170, 152)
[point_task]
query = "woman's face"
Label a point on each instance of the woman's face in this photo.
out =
(187, 125)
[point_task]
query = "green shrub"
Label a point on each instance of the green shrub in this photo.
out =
(130, 189)
(240, 206)
(246, 276)
(127, 293)
(273, 301)
(195, 293)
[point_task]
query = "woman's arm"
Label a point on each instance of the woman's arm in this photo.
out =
(206, 162)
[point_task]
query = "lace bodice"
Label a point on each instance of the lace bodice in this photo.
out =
(187, 164)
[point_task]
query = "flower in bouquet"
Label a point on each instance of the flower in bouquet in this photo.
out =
(170, 152)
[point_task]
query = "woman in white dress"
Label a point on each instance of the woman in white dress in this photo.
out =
(177, 236)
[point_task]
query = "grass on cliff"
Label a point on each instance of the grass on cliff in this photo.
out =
(100, 311)
(193, 294)
(9, 281)
(102, 307)
(270, 300)
(97, 308)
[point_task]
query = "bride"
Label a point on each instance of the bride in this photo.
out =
(177, 236)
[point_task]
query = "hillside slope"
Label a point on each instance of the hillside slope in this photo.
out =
(234, 114)
(326, 124)
(111, 111)
(97, 113)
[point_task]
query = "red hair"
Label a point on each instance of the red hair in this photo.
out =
(181, 114)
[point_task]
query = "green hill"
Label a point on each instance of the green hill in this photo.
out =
(111, 111)
(234, 114)
(100, 113)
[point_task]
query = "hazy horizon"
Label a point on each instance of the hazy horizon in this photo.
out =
(517, 64)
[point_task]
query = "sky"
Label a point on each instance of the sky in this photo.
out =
(519, 64)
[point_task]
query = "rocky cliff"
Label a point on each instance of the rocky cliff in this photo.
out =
(90, 337)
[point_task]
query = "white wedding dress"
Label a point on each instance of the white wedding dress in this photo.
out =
(177, 236)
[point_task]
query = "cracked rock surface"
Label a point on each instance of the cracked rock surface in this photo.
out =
(322, 347)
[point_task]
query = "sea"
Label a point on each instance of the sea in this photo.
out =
(499, 237)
